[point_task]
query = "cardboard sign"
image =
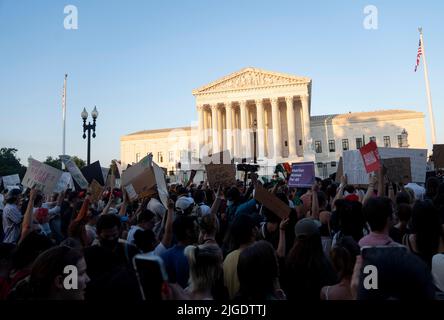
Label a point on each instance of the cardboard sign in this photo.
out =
(223, 175)
(357, 175)
(11, 180)
(370, 156)
(142, 179)
(162, 189)
(438, 155)
(131, 192)
(271, 202)
(302, 175)
(75, 172)
(63, 182)
(223, 157)
(93, 171)
(340, 171)
(398, 169)
(41, 176)
(96, 191)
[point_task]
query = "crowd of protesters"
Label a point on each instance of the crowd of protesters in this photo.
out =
(224, 245)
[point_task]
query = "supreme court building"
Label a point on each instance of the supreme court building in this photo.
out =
(272, 112)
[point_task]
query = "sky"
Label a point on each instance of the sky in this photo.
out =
(138, 62)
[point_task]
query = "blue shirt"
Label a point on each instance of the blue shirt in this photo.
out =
(176, 265)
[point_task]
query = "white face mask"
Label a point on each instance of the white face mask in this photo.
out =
(229, 202)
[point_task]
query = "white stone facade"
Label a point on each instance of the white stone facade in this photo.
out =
(253, 100)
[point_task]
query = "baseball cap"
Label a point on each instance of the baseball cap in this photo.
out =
(183, 203)
(305, 228)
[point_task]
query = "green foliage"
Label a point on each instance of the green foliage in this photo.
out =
(10, 164)
(53, 162)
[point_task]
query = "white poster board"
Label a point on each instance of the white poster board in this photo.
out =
(355, 170)
(41, 176)
(75, 172)
(11, 180)
(161, 184)
(63, 183)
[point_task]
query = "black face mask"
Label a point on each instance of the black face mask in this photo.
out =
(109, 244)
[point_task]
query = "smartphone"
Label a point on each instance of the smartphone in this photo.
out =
(152, 276)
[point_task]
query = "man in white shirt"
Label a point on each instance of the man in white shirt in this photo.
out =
(417, 190)
(145, 221)
(12, 217)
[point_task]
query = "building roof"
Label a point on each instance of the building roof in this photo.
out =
(368, 115)
(159, 130)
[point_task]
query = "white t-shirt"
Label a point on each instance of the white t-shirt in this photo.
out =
(438, 270)
(417, 190)
(131, 233)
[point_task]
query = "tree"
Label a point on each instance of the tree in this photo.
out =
(53, 162)
(79, 162)
(10, 164)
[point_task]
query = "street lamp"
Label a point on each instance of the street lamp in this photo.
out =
(404, 138)
(254, 141)
(88, 127)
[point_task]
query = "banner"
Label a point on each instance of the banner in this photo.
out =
(41, 176)
(75, 172)
(356, 173)
(370, 156)
(271, 202)
(223, 175)
(398, 169)
(302, 175)
(11, 180)
(63, 182)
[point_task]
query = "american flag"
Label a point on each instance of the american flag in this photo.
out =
(418, 56)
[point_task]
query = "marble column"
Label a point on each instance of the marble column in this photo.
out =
(243, 128)
(214, 132)
(277, 149)
(306, 123)
(291, 127)
(260, 127)
(229, 135)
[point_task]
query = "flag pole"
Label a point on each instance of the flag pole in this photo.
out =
(429, 95)
(64, 116)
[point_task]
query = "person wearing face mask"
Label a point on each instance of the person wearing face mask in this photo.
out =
(109, 229)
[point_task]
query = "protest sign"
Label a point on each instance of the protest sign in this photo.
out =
(11, 180)
(398, 169)
(63, 182)
(96, 190)
(356, 173)
(302, 175)
(139, 179)
(162, 190)
(105, 172)
(370, 156)
(438, 155)
(223, 175)
(41, 176)
(340, 171)
(75, 172)
(93, 171)
(271, 202)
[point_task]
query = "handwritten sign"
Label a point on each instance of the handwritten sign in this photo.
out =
(41, 176)
(75, 172)
(370, 156)
(438, 155)
(11, 180)
(357, 175)
(63, 182)
(96, 191)
(398, 169)
(302, 175)
(223, 175)
(271, 202)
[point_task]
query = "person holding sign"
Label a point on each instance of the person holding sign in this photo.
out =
(12, 217)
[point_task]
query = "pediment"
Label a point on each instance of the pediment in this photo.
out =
(251, 78)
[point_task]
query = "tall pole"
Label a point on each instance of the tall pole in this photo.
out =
(64, 118)
(429, 95)
(89, 145)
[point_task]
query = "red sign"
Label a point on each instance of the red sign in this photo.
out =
(370, 156)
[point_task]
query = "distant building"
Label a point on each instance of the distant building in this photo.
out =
(254, 100)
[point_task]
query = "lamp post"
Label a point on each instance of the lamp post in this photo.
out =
(254, 141)
(88, 127)
(404, 138)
